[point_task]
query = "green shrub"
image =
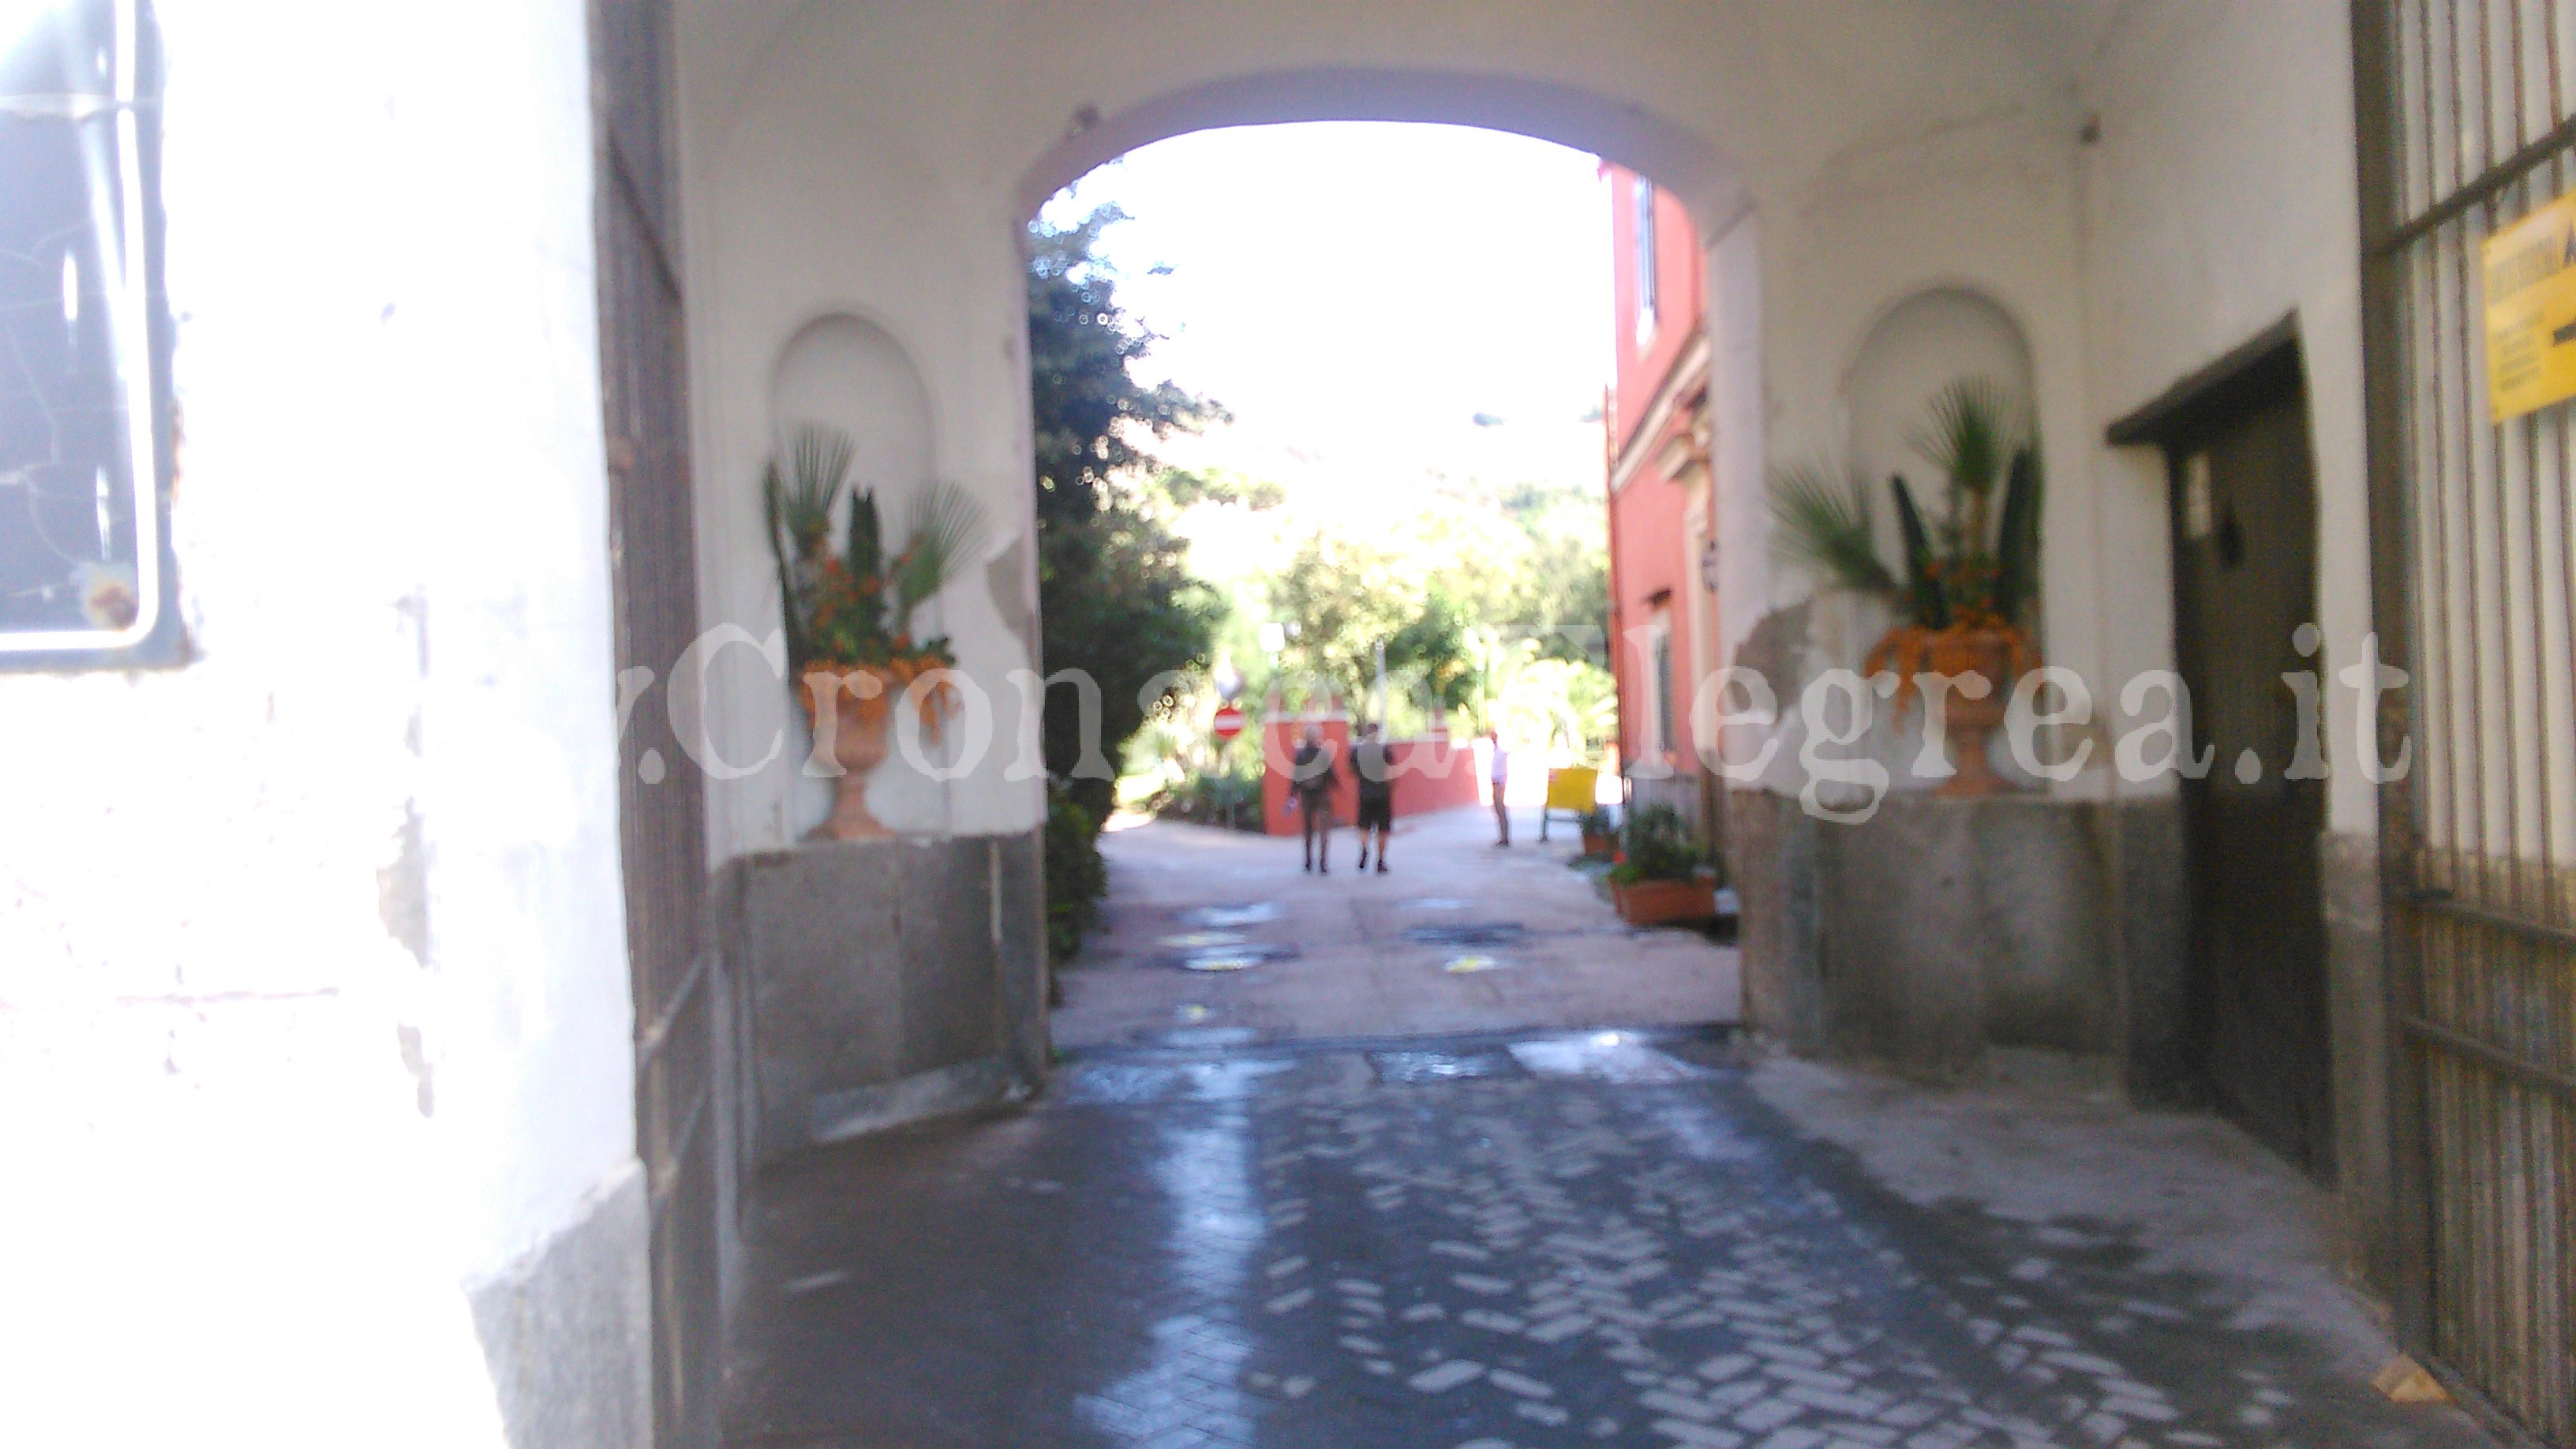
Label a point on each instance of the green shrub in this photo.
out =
(1076, 876)
(1657, 845)
(1228, 796)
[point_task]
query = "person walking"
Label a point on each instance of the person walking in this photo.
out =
(1310, 777)
(1373, 767)
(1501, 777)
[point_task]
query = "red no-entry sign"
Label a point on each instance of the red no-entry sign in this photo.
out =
(1229, 722)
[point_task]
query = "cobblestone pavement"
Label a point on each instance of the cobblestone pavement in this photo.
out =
(1349, 954)
(1591, 1240)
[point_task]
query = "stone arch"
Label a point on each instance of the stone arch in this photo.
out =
(1681, 159)
(1678, 159)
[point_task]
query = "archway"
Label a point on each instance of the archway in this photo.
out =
(1433, 453)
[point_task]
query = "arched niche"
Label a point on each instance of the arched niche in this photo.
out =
(846, 372)
(1919, 346)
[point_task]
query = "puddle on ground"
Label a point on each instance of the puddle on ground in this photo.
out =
(1605, 1056)
(1470, 933)
(1203, 940)
(1220, 917)
(1405, 1068)
(1240, 956)
(1206, 1036)
(1117, 1084)
(1437, 903)
(1471, 965)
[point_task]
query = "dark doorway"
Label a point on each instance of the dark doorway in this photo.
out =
(2244, 546)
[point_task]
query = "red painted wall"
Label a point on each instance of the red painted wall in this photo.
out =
(1639, 366)
(1650, 550)
(1431, 774)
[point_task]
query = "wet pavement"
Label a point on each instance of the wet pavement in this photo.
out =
(1211, 930)
(1472, 1243)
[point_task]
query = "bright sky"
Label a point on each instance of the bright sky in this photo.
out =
(1358, 293)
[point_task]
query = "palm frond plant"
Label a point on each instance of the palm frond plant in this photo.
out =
(1970, 571)
(851, 613)
(1825, 526)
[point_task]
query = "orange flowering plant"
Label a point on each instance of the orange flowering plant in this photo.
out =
(1971, 570)
(851, 613)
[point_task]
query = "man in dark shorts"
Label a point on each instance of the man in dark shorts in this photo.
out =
(1310, 775)
(1373, 767)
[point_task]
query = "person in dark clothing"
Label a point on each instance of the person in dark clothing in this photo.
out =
(1310, 775)
(1373, 766)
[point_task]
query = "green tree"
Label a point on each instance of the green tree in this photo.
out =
(1563, 589)
(1343, 596)
(1115, 597)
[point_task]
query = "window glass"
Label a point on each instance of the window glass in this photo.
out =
(84, 576)
(1663, 687)
(1648, 300)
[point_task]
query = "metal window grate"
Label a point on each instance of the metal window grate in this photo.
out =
(2467, 114)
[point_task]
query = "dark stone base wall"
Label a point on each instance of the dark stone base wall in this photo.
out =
(2357, 1000)
(884, 980)
(1771, 857)
(2151, 924)
(567, 1332)
(1938, 929)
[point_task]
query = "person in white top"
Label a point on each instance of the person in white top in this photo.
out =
(1502, 779)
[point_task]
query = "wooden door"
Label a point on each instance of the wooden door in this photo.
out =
(2244, 590)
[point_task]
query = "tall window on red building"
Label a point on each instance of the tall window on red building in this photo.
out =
(1647, 301)
(1663, 655)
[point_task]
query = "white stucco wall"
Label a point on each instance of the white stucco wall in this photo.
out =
(374, 817)
(2220, 199)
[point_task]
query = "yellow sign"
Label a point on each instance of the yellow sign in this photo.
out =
(2531, 311)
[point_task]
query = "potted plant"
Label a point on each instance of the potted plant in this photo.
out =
(1600, 831)
(849, 615)
(1971, 572)
(1661, 876)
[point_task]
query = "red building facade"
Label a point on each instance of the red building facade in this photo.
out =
(1662, 615)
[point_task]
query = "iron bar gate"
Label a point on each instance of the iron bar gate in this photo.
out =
(661, 794)
(2464, 110)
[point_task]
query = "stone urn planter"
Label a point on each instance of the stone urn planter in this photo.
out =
(1666, 902)
(851, 731)
(1996, 655)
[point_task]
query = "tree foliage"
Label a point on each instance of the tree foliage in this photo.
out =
(1116, 599)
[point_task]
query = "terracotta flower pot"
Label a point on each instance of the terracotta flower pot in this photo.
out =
(1989, 654)
(1664, 902)
(1599, 844)
(1996, 655)
(851, 730)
